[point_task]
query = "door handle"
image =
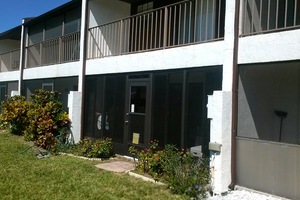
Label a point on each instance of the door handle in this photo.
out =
(99, 121)
(126, 118)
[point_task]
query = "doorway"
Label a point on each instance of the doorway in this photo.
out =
(137, 112)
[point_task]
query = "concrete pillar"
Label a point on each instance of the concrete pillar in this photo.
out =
(220, 108)
(22, 57)
(74, 104)
(220, 131)
(82, 54)
(228, 59)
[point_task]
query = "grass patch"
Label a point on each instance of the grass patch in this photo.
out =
(24, 176)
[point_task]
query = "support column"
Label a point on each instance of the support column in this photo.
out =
(222, 107)
(22, 58)
(82, 54)
(219, 111)
(82, 60)
(74, 104)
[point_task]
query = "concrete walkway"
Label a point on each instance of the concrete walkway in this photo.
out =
(116, 166)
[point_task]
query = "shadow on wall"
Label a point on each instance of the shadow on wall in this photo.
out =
(264, 89)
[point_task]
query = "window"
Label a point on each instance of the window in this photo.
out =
(54, 27)
(35, 33)
(72, 22)
(47, 86)
(145, 7)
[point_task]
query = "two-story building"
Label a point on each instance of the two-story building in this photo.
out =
(218, 74)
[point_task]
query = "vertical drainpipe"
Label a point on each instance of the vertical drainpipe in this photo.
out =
(22, 58)
(82, 59)
(234, 94)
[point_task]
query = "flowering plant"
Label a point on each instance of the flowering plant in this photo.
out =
(184, 173)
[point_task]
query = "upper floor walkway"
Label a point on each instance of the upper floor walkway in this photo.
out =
(127, 27)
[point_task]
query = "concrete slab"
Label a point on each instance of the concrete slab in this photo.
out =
(116, 166)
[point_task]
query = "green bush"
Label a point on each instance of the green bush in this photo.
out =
(149, 160)
(184, 173)
(39, 120)
(14, 114)
(102, 148)
(46, 119)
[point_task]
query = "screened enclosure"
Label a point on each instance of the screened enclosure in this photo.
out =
(133, 109)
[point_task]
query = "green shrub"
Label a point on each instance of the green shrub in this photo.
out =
(149, 159)
(184, 173)
(102, 148)
(46, 119)
(14, 114)
(39, 120)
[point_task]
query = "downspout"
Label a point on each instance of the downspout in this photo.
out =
(234, 94)
(83, 46)
(22, 58)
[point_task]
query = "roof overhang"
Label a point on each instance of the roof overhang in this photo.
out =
(52, 13)
(13, 34)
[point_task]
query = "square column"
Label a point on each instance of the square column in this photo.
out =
(74, 104)
(219, 111)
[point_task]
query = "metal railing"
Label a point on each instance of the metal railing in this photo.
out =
(10, 61)
(269, 15)
(54, 51)
(186, 22)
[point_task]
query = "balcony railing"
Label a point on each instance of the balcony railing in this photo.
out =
(270, 15)
(183, 23)
(54, 51)
(10, 61)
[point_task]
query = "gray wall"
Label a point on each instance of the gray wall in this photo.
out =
(269, 167)
(264, 163)
(62, 85)
(264, 88)
(12, 86)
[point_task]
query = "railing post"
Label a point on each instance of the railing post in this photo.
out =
(41, 52)
(165, 28)
(59, 50)
(10, 61)
(121, 37)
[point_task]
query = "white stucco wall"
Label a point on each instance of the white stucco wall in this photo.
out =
(52, 71)
(8, 45)
(9, 76)
(103, 11)
(200, 55)
(74, 104)
(220, 114)
(271, 47)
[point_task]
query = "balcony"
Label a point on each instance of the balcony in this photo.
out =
(261, 16)
(184, 23)
(10, 61)
(54, 51)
